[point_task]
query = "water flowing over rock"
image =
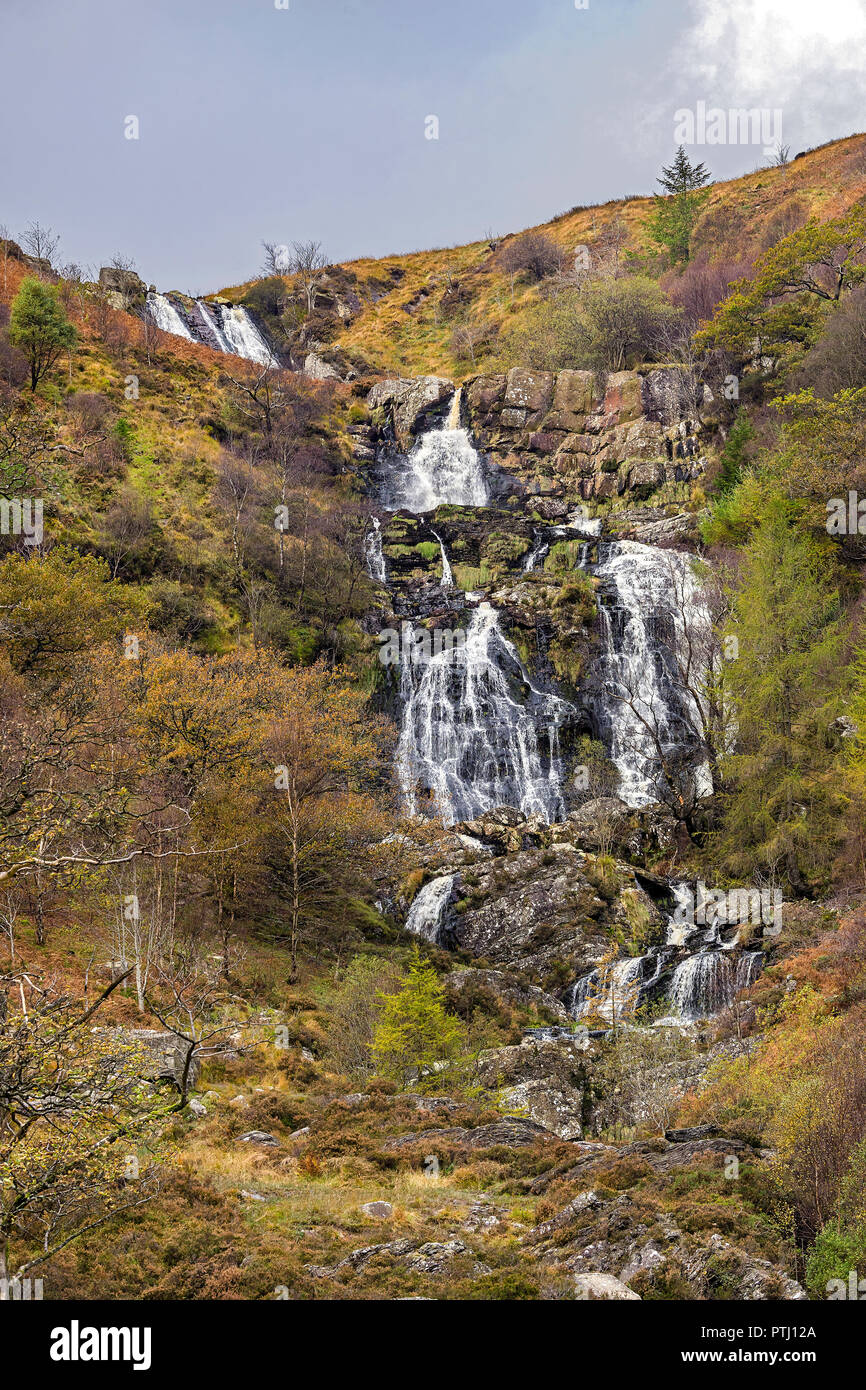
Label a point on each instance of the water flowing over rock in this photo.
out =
(447, 575)
(648, 596)
(165, 316)
(708, 981)
(226, 327)
(443, 466)
(376, 566)
(479, 736)
(429, 907)
(467, 741)
(243, 337)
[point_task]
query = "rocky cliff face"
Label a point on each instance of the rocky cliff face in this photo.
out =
(572, 432)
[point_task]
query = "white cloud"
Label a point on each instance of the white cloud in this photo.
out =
(806, 56)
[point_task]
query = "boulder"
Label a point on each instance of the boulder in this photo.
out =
(622, 397)
(123, 288)
(169, 1054)
(603, 1286)
(318, 369)
(378, 1211)
(259, 1137)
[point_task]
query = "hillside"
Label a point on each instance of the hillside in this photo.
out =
(409, 305)
(443, 778)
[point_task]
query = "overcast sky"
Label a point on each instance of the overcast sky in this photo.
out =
(309, 122)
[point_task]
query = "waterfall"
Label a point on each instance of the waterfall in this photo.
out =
(426, 914)
(709, 981)
(447, 576)
(443, 466)
(679, 927)
(454, 412)
(241, 333)
(650, 595)
(376, 567)
(163, 313)
(614, 996)
(212, 326)
(226, 327)
(540, 547)
(466, 737)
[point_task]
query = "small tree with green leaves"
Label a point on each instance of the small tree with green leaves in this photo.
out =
(415, 1033)
(40, 328)
(678, 208)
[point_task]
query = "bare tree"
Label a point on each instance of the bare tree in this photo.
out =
(40, 242)
(307, 263)
(468, 337)
(532, 252)
(190, 1001)
(67, 1125)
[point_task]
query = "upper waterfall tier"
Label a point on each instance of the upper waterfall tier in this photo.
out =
(475, 733)
(226, 327)
(442, 467)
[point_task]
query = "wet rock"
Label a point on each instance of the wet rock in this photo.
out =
(260, 1138)
(412, 404)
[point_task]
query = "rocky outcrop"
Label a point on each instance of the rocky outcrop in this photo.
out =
(571, 432)
(543, 1078)
(505, 989)
(410, 405)
(123, 289)
(168, 1054)
(631, 1237)
(511, 1132)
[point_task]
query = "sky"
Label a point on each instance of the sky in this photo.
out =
(290, 120)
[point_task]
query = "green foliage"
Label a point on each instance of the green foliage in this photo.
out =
(835, 1253)
(736, 452)
(676, 214)
(607, 325)
(56, 607)
(416, 1032)
(787, 619)
(40, 328)
(778, 305)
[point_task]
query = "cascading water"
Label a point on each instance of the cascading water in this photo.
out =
(227, 327)
(447, 575)
(614, 996)
(709, 981)
(212, 326)
(376, 567)
(477, 734)
(163, 313)
(443, 466)
(648, 596)
(244, 338)
(428, 909)
(540, 547)
(467, 743)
